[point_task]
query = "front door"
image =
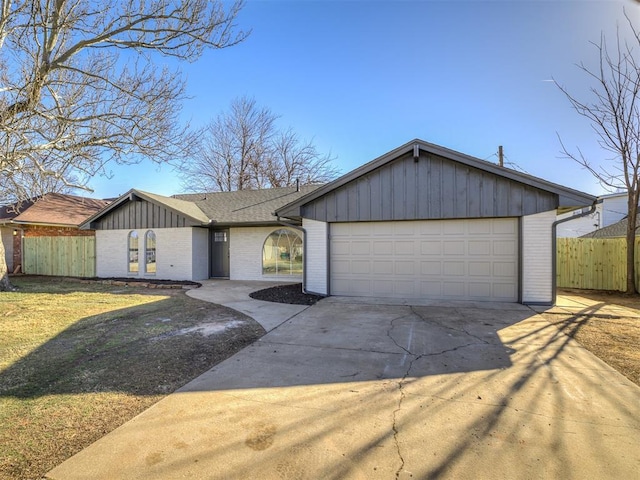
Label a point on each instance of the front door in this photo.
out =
(220, 253)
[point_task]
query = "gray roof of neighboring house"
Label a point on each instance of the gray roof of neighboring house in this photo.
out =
(615, 230)
(245, 206)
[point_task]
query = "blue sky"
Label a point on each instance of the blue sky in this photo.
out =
(364, 77)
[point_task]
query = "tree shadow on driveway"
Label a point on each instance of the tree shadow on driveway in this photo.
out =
(402, 392)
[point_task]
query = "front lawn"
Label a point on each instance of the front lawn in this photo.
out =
(78, 360)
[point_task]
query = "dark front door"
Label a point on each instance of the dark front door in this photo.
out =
(220, 253)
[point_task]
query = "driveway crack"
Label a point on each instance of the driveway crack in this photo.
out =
(448, 327)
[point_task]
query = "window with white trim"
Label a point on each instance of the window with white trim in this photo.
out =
(282, 253)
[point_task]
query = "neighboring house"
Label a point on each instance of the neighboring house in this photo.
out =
(616, 230)
(421, 221)
(610, 210)
(52, 215)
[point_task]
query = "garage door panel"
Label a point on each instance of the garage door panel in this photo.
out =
(404, 248)
(360, 267)
(505, 248)
(383, 267)
(431, 248)
(361, 248)
(382, 287)
(447, 259)
(405, 268)
(453, 290)
(454, 247)
(382, 247)
(482, 247)
(480, 269)
(431, 268)
(479, 290)
(404, 289)
(431, 289)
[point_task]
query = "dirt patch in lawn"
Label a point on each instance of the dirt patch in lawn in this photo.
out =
(614, 339)
(291, 294)
(78, 360)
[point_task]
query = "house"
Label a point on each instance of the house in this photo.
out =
(421, 221)
(197, 236)
(610, 210)
(51, 215)
(615, 230)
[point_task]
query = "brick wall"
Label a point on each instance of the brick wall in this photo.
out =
(41, 231)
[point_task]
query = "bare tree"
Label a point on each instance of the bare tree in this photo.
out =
(243, 149)
(293, 159)
(614, 112)
(79, 88)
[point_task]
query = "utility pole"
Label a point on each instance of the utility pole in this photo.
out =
(500, 156)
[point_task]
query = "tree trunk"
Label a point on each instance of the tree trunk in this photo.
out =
(5, 286)
(631, 241)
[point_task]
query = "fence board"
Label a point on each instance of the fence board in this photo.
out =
(60, 256)
(594, 263)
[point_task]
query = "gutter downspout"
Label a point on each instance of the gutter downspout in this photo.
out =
(304, 247)
(554, 266)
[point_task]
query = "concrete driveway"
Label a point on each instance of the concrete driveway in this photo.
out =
(355, 389)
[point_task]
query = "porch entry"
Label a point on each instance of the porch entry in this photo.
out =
(219, 253)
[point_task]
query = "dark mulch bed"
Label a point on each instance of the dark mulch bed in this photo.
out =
(153, 281)
(291, 294)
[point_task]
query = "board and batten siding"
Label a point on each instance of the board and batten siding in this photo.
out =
(245, 254)
(537, 258)
(316, 252)
(432, 188)
(180, 253)
(141, 214)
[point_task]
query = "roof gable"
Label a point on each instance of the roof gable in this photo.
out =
(138, 209)
(420, 180)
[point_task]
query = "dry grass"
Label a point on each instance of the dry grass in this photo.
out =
(614, 339)
(76, 361)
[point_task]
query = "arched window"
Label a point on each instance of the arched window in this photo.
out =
(282, 253)
(133, 251)
(150, 252)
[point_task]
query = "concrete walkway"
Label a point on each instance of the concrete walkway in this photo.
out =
(235, 294)
(382, 390)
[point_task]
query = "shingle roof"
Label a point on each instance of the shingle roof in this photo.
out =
(55, 209)
(245, 206)
(186, 207)
(615, 230)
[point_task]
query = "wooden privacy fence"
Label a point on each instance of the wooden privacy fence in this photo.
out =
(593, 263)
(60, 256)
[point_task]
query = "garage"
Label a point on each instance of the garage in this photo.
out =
(423, 221)
(469, 259)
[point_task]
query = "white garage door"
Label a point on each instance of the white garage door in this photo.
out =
(439, 259)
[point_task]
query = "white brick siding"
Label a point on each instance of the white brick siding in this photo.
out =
(181, 253)
(316, 255)
(537, 257)
(245, 254)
